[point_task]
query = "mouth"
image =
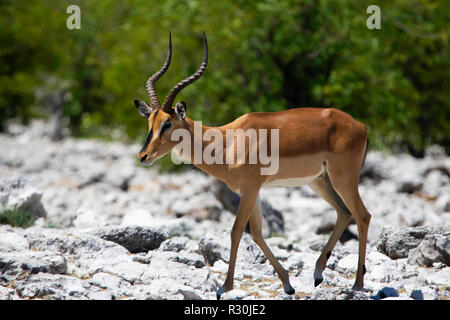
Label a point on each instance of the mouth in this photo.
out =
(147, 162)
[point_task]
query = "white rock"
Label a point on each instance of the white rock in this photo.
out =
(45, 285)
(12, 242)
(106, 281)
(235, 294)
(140, 217)
(443, 202)
(348, 264)
(100, 295)
(86, 218)
(441, 278)
(6, 293)
(376, 258)
(129, 271)
(115, 191)
(14, 263)
(22, 194)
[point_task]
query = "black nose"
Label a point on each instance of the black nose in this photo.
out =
(143, 158)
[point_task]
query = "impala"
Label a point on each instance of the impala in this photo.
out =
(323, 148)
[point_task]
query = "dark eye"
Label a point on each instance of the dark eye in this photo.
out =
(166, 125)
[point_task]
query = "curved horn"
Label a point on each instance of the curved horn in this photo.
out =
(154, 102)
(167, 105)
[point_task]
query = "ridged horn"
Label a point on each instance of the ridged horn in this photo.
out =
(154, 102)
(167, 105)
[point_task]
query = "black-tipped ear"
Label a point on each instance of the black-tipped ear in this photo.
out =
(180, 110)
(144, 109)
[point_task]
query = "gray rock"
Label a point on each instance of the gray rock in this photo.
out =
(19, 193)
(85, 254)
(133, 238)
(12, 264)
(174, 244)
(434, 248)
(66, 241)
(252, 254)
(317, 245)
(230, 201)
(48, 286)
(396, 242)
(295, 262)
(327, 222)
(338, 294)
(216, 247)
(141, 259)
(166, 278)
(273, 218)
(189, 258)
(409, 186)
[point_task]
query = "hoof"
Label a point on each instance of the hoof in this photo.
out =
(317, 277)
(288, 289)
(220, 291)
(317, 281)
(357, 288)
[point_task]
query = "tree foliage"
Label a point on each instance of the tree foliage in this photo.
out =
(265, 55)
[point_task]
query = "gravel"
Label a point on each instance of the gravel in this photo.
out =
(107, 229)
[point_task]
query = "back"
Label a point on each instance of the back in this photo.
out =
(307, 130)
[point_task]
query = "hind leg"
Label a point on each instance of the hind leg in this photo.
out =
(322, 186)
(345, 178)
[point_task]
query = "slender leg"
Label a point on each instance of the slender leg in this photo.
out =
(248, 198)
(323, 187)
(345, 182)
(256, 232)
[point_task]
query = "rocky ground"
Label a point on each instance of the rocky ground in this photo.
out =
(107, 228)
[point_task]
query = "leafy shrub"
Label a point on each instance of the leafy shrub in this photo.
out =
(17, 217)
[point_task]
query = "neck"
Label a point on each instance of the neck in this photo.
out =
(202, 146)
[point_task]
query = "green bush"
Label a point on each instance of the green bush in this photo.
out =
(265, 55)
(17, 217)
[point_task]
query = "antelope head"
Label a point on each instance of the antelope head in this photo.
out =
(163, 120)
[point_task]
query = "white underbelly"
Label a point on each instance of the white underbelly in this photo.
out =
(293, 182)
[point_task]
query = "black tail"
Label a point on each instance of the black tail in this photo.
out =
(365, 154)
